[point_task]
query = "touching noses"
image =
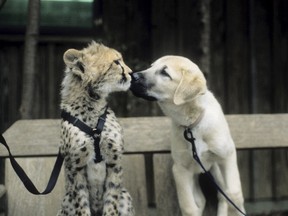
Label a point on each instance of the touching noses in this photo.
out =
(136, 76)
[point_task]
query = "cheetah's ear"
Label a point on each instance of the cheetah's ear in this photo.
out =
(71, 58)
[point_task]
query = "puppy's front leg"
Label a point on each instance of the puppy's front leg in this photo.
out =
(190, 197)
(222, 208)
(231, 176)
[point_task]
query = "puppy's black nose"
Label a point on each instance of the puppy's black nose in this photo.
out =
(135, 76)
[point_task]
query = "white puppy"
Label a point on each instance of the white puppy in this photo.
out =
(179, 87)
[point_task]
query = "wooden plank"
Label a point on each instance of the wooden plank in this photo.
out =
(267, 208)
(217, 72)
(259, 130)
(262, 174)
(20, 201)
(4, 93)
(135, 182)
(164, 28)
(146, 134)
(243, 158)
(52, 91)
(11, 61)
(237, 77)
(194, 33)
(150, 134)
(261, 12)
(280, 173)
(280, 53)
(33, 137)
(165, 191)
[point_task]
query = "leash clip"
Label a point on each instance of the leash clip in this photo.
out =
(188, 135)
(190, 138)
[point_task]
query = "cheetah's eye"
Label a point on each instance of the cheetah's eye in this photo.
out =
(117, 62)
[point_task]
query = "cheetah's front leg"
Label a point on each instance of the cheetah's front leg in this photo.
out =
(117, 201)
(76, 199)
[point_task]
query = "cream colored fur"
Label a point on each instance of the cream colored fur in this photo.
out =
(180, 89)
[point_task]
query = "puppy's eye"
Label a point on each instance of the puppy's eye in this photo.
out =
(164, 73)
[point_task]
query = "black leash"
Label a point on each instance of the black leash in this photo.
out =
(26, 180)
(189, 137)
(94, 132)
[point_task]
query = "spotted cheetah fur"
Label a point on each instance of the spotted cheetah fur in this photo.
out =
(93, 188)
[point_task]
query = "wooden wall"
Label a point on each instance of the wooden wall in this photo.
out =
(242, 46)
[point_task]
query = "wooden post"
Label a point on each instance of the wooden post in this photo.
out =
(30, 49)
(194, 32)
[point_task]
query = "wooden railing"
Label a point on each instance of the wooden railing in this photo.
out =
(147, 164)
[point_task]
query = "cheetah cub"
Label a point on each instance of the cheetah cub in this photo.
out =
(93, 188)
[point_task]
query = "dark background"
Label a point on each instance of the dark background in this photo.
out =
(240, 45)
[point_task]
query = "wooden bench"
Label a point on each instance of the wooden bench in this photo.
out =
(147, 164)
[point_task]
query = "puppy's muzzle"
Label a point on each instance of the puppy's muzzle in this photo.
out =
(139, 86)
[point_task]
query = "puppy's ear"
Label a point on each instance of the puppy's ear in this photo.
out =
(72, 59)
(190, 86)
